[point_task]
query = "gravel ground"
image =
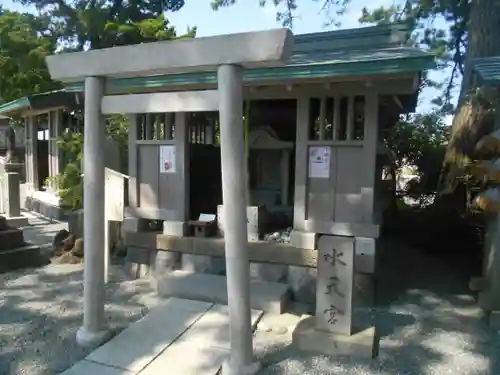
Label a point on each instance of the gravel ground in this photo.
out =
(427, 322)
(432, 328)
(434, 340)
(41, 310)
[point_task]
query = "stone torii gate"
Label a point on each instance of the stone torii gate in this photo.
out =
(228, 54)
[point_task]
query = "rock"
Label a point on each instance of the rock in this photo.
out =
(78, 248)
(69, 242)
(60, 237)
(58, 243)
(280, 330)
(279, 237)
(67, 258)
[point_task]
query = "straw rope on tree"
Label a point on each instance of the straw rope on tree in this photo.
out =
(488, 171)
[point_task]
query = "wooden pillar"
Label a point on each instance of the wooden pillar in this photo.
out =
(181, 139)
(149, 127)
(27, 153)
(169, 120)
(133, 193)
(285, 176)
(178, 182)
(31, 143)
(300, 198)
(55, 131)
(370, 156)
(322, 118)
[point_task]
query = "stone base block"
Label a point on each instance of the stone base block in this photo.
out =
(229, 369)
(270, 297)
(89, 339)
(363, 342)
(11, 238)
(302, 282)
(141, 262)
(269, 272)
(16, 221)
(137, 262)
(136, 271)
(134, 224)
(174, 228)
(26, 256)
(163, 262)
(203, 264)
(303, 240)
(39, 205)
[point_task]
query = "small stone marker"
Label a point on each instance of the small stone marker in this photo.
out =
(335, 284)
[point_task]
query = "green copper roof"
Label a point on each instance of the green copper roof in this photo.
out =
(369, 50)
(488, 69)
(49, 99)
(355, 52)
(313, 69)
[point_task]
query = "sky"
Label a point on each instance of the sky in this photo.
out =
(248, 15)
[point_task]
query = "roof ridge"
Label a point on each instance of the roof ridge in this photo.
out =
(380, 36)
(386, 47)
(351, 33)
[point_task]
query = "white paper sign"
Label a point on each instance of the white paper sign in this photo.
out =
(167, 159)
(319, 162)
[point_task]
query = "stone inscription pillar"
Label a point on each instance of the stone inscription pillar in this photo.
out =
(335, 284)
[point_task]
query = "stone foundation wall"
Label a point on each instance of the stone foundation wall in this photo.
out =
(141, 262)
(44, 208)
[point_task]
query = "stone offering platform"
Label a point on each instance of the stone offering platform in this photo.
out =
(178, 337)
(15, 252)
(18, 221)
(267, 296)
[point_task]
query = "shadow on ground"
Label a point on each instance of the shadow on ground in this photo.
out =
(40, 312)
(427, 320)
(41, 230)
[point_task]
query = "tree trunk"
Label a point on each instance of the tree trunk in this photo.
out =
(471, 120)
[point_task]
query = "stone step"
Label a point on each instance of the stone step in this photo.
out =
(202, 349)
(136, 346)
(178, 337)
(266, 296)
(21, 257)
(11, 238)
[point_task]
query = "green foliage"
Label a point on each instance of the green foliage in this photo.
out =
(117, 129)
(286, 9)
(69, 183)
(95, 24)
(446, 43)
(76, 25)
(25, 40)
(420, 141)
